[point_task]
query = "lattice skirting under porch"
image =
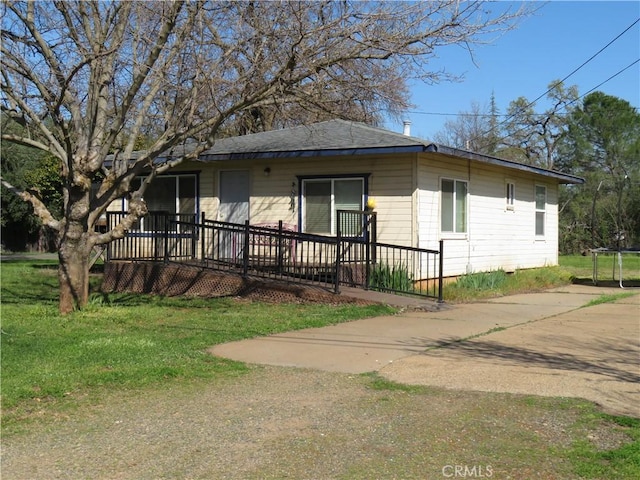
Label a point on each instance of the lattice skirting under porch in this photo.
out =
(185, 280)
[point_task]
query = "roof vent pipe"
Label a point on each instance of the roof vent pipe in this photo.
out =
(407, 128)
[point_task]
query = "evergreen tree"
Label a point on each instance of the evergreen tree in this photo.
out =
(603, 145)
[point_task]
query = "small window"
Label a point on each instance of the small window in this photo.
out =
(511, 195)
(453, 200)
(322, 198)
(541, 209)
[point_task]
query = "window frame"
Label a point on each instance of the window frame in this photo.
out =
(139, 226)
(540, 212)
(510, 195)
(454, 233)
(302, 201)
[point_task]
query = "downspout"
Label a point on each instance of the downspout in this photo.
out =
(415, 202)
(469, 265)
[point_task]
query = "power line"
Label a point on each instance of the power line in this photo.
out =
(570, 74)
(555, 84)
(610, 78)
(465, 114)
(486, 115)
(572, 101)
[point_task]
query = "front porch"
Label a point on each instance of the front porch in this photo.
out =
(276, 251)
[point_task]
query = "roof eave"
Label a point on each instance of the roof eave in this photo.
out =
(310, 153)
(563, 178)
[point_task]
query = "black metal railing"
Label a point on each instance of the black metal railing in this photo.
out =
(278, 251)
(269, 251)
(357, 224)
(157, 236)
(407, 270)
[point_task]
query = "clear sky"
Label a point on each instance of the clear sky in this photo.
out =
(547, 46)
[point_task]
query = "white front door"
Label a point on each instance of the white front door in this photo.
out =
(234, 208)
(234, 196)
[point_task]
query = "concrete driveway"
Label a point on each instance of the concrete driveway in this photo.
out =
(538, 343)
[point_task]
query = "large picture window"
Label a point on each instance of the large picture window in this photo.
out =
(172, 195)
(453, 201)
(323, 197)
(541, 209)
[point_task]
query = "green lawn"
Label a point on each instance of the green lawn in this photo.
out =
(127, 341)
(581, 267)
(477, 286)
(137, 343)
(572, 268)
(135, 340)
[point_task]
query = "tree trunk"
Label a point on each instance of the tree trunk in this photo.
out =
(73, 271)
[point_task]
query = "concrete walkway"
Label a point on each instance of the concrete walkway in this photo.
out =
(538, 343)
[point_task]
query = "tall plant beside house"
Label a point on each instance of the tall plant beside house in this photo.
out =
(88, 78)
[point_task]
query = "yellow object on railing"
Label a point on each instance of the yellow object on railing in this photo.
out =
(371, 203)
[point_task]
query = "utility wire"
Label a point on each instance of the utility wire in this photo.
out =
(572, 101)
(555, 84)
(564, 107)
(465, 114)
(610, 78)
(568, 76)
(508, 116)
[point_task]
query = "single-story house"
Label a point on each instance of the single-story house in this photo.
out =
(491, 213)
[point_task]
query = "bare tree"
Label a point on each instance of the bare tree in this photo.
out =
(470, 130)
(534, 138)
(88, 78)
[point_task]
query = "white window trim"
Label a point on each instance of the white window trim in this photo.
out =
(543, 211)
(510, 195)
(453, 234)
(332, 218)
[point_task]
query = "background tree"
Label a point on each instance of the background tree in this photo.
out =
(89, 78)
(28, 168)
(470, 130)
(493, 132)
(525, 136)
(477, 129)
(533, 138)
(603, 145)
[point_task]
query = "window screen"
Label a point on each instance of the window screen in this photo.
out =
(324, 197)
(453, 200)
(541, 202)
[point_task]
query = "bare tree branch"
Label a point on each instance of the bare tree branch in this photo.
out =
(39, 207)
(91, 80)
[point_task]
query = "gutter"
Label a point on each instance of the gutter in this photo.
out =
(459, 153)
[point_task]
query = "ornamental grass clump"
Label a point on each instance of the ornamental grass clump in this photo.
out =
(386, 277)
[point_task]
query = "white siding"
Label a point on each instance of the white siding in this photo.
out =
(496, 237)
(407, 193)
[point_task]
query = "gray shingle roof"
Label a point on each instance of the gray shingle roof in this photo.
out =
(341, 137)
(332, 135)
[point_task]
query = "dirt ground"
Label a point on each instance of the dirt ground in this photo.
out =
(277, 422)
